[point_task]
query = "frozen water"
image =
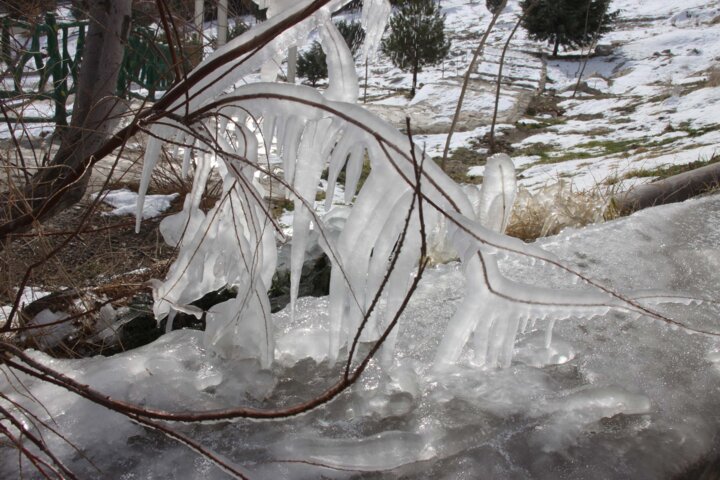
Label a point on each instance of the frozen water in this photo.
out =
(498, 193)
(615, 396)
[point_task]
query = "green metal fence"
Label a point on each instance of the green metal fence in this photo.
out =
(50, 71)
(147, 64)
(54, 64)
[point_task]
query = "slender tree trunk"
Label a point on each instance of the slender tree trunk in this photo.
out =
(94, 116)
(292, 64)
(556, 48)
(499, 82)
(414, 81)
(222, 18)
(466, 81)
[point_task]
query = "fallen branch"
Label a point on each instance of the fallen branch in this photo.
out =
(669, 190)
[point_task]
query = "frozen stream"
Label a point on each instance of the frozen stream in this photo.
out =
(613, 397)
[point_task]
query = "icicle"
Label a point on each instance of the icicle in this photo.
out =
(387, 242)
(355, 244)
(375, 15)
(464, 322)
(291, 139)
(187, 156)
(497, 193)
(398, 286)
(305, 184)
(342, 77)
(247, 147)
(152, 154)
(549, 332)
(268, 132)
(170, 320)
(353, 171)
(202, 173)
(338, 159)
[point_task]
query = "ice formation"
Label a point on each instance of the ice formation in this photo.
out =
(611, 397)
(234, 243)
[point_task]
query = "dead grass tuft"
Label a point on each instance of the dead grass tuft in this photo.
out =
(555, 207)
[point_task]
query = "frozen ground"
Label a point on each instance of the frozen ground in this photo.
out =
(615, 396)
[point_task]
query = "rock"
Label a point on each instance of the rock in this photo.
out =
(603, 50)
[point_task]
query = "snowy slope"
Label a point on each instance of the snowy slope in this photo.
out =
(655, 101)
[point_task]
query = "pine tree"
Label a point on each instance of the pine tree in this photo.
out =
(417, 37)
(312, 64)
(567, 23)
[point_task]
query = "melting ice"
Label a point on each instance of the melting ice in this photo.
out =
(613, 396)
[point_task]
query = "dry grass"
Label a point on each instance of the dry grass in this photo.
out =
(556, 207)
(713, 77)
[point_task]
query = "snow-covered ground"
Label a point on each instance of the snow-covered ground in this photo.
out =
(653, 103)
(655, 98)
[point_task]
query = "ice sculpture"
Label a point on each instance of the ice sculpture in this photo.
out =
(378, 249)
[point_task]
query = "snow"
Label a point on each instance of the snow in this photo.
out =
(124, 202)
(655, 91)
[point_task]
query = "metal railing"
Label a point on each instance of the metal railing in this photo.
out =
(21, 46)
(37, 62)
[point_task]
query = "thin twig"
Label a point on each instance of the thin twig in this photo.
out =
(466, 81)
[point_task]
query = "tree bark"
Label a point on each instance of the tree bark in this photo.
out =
(466, 80)
(94, 117)
(673, 189)
(499, 82)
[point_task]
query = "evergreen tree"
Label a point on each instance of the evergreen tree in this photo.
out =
(570, 23)
(312, 64)
(417, 37)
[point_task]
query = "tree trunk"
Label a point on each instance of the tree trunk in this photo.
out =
(556, 48)
(673, 189)
(414, 81)
(94, 116)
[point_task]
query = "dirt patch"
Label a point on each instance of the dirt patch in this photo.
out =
(106, 246)
(545, 104)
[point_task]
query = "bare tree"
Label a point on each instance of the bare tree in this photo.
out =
(64, 180)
